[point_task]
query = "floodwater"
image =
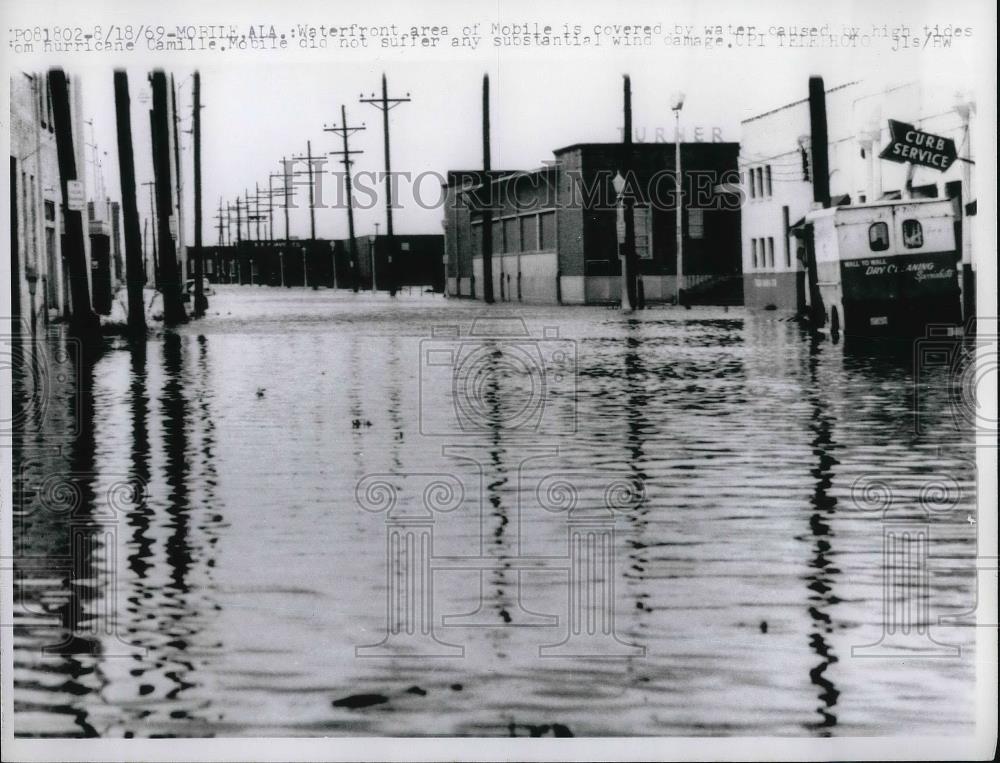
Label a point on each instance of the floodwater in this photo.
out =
(673, 523)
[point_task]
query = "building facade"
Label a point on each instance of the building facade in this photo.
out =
(556, 230)
(39, 275)
(776, 166)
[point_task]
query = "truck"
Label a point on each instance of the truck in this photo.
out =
(883, 269)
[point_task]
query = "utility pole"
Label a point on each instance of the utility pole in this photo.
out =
(135, 276)
(181, 249)
(84, 321)
(344, 131)
(308, 158)
(220, 218)
(285, 171)
(200, 303)
(385, 103)
(152, 221)
(487, 211)
(173, 306)
(628, 295)
(821, 190)
(270, 204)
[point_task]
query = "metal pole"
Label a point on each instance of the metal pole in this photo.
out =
(487, 232)
(628, 295)
(680, 204)
(173, 306)
(84, 319)
(312, 206)
(200, 303)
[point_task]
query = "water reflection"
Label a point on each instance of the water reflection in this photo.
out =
(248, 574)
(823, 572)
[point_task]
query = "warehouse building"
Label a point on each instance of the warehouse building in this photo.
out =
(555, 232)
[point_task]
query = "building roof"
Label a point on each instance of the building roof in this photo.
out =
(796, 103)
(640, 145)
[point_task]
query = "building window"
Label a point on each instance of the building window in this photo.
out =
(405, 246)
(696, 223)
(547, 226)
(913, 234)
(770, 251)
(767, 178)
(644, 233)
(511, 236)
(50, 211)
(529, 233)
(878, 237)
(753, 246)
(751, 174)
(476, 231)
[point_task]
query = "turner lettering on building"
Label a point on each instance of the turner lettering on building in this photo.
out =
(912, 145)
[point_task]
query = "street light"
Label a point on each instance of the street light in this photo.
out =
(677, 103)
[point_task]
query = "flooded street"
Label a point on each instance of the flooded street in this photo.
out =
(200, 549)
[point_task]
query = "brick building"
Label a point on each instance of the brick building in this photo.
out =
(555, 234)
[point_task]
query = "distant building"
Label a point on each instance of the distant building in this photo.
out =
(555, 229)
(39, 276)
(419, 262)
(776, 167)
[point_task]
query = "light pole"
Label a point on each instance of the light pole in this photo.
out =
(677, 105)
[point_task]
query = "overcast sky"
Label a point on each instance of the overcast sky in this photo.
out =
(255, 113)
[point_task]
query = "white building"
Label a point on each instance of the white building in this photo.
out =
(40, 290)
(776, 166)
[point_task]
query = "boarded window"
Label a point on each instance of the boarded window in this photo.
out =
(878, 237)
(477, 239)
(643, 233)
(511, 235)
(547, 223)
(529, 233)
(696, 223)
(913, 234)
